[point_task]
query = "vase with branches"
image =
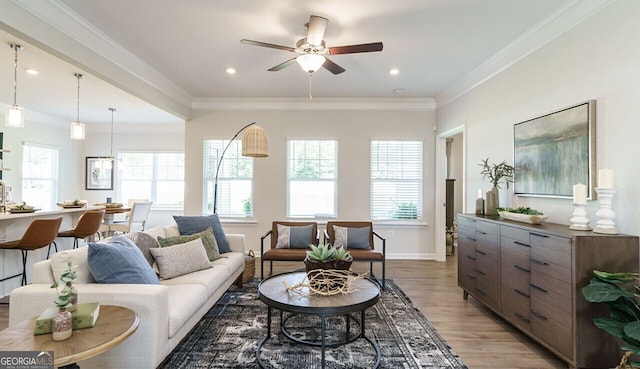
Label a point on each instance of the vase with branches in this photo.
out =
(496, 173)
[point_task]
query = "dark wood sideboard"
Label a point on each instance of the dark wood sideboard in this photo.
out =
(532, 276)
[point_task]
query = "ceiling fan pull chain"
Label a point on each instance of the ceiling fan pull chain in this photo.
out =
(310, 96)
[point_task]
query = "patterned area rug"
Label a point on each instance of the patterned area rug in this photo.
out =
(227, 337)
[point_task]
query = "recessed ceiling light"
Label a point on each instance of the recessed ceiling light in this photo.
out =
(31, 71)
(231, 70)
(398, 90)
(394, 71)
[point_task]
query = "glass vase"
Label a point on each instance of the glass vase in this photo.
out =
(61, 325)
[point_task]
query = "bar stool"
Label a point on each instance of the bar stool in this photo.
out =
(87, 226)
(39, 233)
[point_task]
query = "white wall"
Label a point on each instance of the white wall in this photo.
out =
(599, 59)
(353, 130)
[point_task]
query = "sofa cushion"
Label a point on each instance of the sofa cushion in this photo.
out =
(181, 259)
(295, 237)
(119, 261)
(144, 243)
(351, 237)
(194, 224)
(78, 258)
(232, 261)
(184, 302)
(207, 237)
(212, 279)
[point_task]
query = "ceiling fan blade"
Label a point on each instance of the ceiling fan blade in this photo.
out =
(317, 26)
(264, 44)
(332, 67)
(282, 65)
(352, 49)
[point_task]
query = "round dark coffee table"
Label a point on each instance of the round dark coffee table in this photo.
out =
(273, 293)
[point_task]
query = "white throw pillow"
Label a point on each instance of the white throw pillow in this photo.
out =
(78, 259)
(181, 259)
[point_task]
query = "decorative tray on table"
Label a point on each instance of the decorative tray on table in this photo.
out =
(522, 217)
(18, 211)
(72, 206)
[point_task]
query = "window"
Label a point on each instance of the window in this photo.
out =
(396, 179)
(157, 176)
(235, 179)
(40, 175)
(311, 176)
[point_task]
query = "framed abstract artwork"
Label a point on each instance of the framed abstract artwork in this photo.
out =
(555, 151)
(99, 173)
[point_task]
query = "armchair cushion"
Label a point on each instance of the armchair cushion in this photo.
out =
(193, 224)
(352, 237)
(119, 261)
(295, 237)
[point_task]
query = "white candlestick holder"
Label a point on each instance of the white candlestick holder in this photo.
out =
(606, 215)
(579, 221)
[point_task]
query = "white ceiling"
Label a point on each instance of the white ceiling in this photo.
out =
(152, 59)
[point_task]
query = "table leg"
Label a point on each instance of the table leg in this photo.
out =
(323, 332)
(259, 348)
(348, 324)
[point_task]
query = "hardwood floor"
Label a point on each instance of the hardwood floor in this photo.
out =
(481, 338)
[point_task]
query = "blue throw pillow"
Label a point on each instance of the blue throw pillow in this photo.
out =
(295, 237)
(119, 261)
(193, 224)
(352, 238)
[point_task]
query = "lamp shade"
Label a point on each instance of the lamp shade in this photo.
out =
(255, 143)
(77, 131)
(310, 62)
(14, 116)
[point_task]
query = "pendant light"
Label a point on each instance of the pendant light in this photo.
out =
(14, 115)
(77, 128)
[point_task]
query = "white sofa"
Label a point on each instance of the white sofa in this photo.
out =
(167, 312)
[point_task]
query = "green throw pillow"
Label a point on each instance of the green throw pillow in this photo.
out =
(208, 241)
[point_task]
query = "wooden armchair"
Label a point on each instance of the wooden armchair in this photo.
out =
(353, 236)
(292, 248)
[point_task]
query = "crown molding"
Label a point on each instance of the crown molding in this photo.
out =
(555, 25)
(353, 104)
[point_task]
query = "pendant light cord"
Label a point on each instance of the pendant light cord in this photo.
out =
(16, 47)
(111, 151)
(79, 77)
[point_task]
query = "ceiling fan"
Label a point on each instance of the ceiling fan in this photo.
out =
(313, 51)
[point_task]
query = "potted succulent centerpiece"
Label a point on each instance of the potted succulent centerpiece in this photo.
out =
(620, 292)
(325, 257)
(496, 173)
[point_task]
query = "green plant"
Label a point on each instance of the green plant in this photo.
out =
(497, 172)
(620, 292)
(522, 210)
(406, 210)
(246, 206)
(68, 292)
(325, 252)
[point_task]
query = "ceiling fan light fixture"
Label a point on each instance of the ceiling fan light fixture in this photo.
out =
(310, 62)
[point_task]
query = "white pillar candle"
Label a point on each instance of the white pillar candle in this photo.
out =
(580, 194)
(605, 178)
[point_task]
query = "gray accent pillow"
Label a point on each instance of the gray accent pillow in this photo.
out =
(119, 261)
(207, 237)
(193, 224)
(351, 237)
(294, 237)
(144, 243)
(181, 259)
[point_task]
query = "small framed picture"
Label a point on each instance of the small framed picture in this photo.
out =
(99, 173)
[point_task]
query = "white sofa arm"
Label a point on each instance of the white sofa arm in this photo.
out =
(148, 344)
(236, 242)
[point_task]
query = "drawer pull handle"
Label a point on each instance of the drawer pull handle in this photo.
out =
(471, 276)
(521, 268)
(481, 272)
(471, 257)
(481, 252)
(538, 261)
(538, 288)
(539, 235)
(538, 314)
(521, 244)
(523, 318)
(481, 291)
(481, 232)
(521, 293)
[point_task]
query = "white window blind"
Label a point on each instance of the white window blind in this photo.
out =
(311, 178)
(235, 179)
(157, 176)
(396, 180)
(40, 175)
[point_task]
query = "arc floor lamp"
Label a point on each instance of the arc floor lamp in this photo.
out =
(255, 144)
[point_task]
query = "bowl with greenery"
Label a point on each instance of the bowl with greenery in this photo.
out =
(523, 214)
